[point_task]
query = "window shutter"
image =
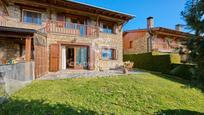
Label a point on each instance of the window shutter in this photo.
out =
(115, 54)
(100, 54)
(54, 57)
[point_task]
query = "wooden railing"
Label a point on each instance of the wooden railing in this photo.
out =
(55, 27)
(72, 29)
(162, 44)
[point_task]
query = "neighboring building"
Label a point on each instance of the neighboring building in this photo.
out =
(37, 36)
(152, 38)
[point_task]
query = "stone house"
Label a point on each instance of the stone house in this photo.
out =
(38, 36)
(152, 38)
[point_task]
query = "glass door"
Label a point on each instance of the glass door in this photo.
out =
(82, 57)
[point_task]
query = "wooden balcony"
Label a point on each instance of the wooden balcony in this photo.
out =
(59, 27)
(72, 29)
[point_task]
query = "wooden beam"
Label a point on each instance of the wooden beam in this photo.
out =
(28, 49)
(31, 3)
(169, 34)
(12, 36)
(64, 8)
(83, 12)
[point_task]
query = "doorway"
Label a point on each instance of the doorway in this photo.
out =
(70, 58)
(75, 57)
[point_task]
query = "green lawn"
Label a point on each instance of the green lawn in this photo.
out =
(133, 94)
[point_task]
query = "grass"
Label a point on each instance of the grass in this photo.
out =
(1, 90)
(131, 94)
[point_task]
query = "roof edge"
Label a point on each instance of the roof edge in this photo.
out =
(114, 11)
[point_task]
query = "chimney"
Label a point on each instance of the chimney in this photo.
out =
(179, 27)
(150, 22)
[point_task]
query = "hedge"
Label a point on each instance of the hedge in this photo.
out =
(168, 64)
(160, 63)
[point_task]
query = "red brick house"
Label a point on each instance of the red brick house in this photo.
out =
(38, 36)
(152, 38)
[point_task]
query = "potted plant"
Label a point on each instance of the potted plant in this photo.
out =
(128, 65)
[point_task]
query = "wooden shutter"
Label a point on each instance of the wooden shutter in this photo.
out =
(100, 54)
(115, 55)
(54, 57)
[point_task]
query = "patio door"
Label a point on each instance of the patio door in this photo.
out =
(77, 57)
(82, 57)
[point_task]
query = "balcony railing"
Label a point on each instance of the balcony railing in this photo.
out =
(72, 29)
(60, 27)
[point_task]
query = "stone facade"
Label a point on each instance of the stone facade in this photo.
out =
(162, 40)
(112, 41)
(10, 50)
(139, 42)
(103, 40)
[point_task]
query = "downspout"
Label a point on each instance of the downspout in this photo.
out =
(149, 29)
(149, 43)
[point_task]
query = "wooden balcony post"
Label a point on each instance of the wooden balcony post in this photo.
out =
(28, 49)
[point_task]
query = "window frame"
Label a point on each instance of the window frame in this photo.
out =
(130, 44)
(114, 54)
(108, 24)
(32, 11)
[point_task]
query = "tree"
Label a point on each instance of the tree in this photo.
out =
(194, 17)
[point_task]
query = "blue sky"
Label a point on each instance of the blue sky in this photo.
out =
(166, 13)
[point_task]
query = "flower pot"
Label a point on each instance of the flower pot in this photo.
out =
(125, 71)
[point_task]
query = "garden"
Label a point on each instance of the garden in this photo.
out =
(145, 93)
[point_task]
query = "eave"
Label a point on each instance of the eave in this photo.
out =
(82, 8)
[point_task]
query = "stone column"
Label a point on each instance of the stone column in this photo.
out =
(91, 58)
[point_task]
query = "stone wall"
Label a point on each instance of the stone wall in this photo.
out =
(10, 50)
(104, 40)
(16, 76)
(139, 42)
(113, 41)
(21, 71)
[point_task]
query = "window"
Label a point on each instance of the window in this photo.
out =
(107, 27)
(32, 17)
(130, 44)
(108, 54)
